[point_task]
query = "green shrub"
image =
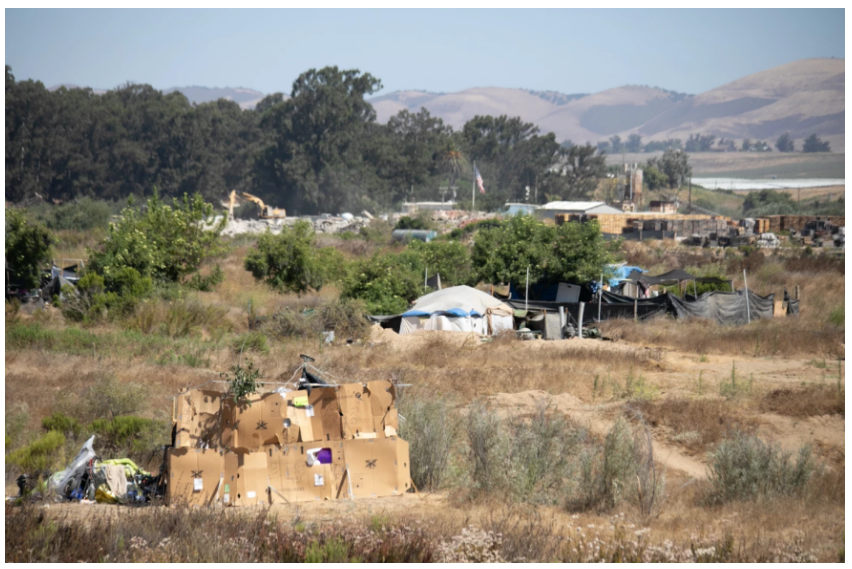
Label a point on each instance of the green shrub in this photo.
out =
(744, 467)
(291, 262)
(387, 283)
(129, 436)
(431, 427)
(27, 249)
(419, 221)
(208, 283)
(82, 214)
(60, 422)
(488, 449)
(837, 316)
(43, 454)
(251, 342)
(450, 259)
(97, 297)
(163, 242)
(348, 318)
(244, 381)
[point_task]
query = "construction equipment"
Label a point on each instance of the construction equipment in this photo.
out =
(266, 211)
(232, 199)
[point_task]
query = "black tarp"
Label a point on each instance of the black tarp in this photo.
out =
(671, 278)
(792, 307)
(727, 308)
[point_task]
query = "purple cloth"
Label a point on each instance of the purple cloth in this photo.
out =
(324, 456)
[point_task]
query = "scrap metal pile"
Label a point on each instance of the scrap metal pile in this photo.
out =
(321, 443)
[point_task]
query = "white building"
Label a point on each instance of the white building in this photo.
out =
(549, 211)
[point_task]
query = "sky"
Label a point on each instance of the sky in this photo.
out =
(570, 51)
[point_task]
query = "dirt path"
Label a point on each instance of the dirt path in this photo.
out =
(597, 418)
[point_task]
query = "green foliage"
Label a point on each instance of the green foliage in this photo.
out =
(416, 222)
(206, 283)
(27, 248)
(837, 316)
(290, 261)
(744, 467)
(347, 317)
(608, 474)
(94, 299)
(785, 143)
(251, 342)
(387, 283)
(45, 453)
(654, 179)
(814, 144)
(83, 214)
(450, 259)
(431, 426)
(163, 242)
(334, 550)
(244, 381)
(129, 435)
(576, 177)
(674, 165)
(58, 421)
(769, 202)
(571, 252)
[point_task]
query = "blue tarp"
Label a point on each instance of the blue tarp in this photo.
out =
(621, 273)
(451, 312)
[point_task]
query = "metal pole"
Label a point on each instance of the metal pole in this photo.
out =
(426, 277)
(527, 293)
(748, 307)
(582, 305)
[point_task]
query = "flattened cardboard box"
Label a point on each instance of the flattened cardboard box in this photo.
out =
(293, 480)
(196, 418)
(246, 479)
(377, 467)
(317, 415)
(368, 409)
(253, 426)
(195, 476)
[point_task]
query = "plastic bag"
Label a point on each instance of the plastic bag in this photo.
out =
(74, 473)
(104, 496)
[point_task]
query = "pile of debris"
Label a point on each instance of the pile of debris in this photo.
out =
(325, 442)
(89, 479)
(321, 223)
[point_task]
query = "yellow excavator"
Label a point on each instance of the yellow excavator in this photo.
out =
(266, 212)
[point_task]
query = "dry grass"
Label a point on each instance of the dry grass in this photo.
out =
(814, 400)
(694, 424)
(784, 337)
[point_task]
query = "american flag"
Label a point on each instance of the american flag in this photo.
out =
(479, 180)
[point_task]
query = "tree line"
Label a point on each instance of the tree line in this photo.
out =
(318, 150)
(707, 143)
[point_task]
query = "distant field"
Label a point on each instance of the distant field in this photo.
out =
(748, 165)
(832, 193)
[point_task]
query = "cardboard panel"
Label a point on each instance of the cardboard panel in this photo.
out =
(295, 481)
(317, 414)
(194, 476)
(246, 478)
(182, 418)
(255, 423)
(382, 396)
(204, 430)
(356, 410)
(206, 401)
(377, 467)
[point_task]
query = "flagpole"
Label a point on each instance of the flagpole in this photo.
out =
(473, 189)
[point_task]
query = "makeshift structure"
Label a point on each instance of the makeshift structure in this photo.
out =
(458, 309)
(326, 443)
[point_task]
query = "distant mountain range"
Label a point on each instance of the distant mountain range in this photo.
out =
(801, 98)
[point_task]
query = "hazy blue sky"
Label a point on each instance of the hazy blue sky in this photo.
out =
(440, 50)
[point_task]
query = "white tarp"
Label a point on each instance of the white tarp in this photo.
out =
(459, 309)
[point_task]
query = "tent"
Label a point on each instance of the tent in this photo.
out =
(459, 309)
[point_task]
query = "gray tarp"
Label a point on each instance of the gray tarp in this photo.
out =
(727, 308)
(552, 326)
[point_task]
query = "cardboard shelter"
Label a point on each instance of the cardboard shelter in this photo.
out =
(265, 450)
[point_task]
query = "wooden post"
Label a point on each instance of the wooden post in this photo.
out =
(635, 309)
(797, 292)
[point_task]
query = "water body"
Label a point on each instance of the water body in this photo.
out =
(770, 184)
